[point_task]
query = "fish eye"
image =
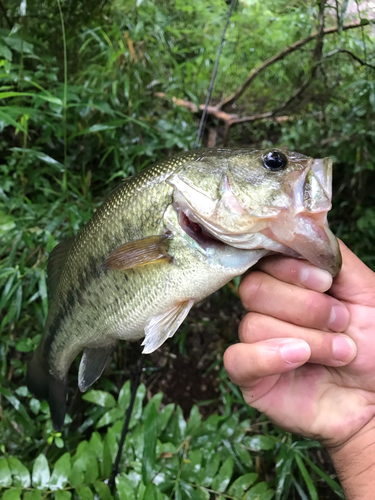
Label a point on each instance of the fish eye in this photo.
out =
(275, 161)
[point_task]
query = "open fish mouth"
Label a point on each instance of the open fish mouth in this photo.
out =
(196, 230)
(302, 235)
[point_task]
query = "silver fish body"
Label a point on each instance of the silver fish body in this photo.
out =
(166, 239)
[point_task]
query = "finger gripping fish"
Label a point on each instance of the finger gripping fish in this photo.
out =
(165, 239)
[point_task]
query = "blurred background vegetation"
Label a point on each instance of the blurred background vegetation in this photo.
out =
(93, 91)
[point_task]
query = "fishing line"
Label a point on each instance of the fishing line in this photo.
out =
(202, 123)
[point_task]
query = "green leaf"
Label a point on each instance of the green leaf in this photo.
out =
(106, 463)
(310, 485)
(109, 417)
(189, 491)
(202, 493)
(96, 445)
(149, 451)
(48, 98)
(12, 494)
(194, 420)
(21, 476)
(40, 473)
(212, 467)
(85, 493)
(5, 475)
(125, 489)
(138, 406)
(242, 484)
(18, 406)
(331, 482)
(5, 52)
(164, 416)
(258, 443)
(102, 490)
(32, 495)
(123, 399)
(100, 398)
(62, 495)
(260, 492)
(243, 455)
(41, 156)
(223, 477)
(85, 463)
(61, 472)
(7, 118)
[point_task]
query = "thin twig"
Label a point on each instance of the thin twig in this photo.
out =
(125, 428)
(345, 51)
(283, 53)
(210, 88)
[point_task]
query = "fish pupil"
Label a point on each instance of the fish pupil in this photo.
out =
(275, 161)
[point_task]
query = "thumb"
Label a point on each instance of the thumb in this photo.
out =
(355, 282)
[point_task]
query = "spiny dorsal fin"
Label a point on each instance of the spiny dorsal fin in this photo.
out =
(56, 262)
(93, 362)
(139, 253)
(164, 326)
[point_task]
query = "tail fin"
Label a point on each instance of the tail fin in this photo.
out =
(43, 385)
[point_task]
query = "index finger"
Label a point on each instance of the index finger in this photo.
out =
(296, 272)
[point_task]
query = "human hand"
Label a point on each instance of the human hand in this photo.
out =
(307, 359)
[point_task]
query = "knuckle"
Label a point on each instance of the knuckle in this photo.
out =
(249, 326)
(317, 309)
(251, 286)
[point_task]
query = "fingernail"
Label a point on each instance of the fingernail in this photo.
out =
(339, 318)
(295, 351)
(343, 347)
(316, 279)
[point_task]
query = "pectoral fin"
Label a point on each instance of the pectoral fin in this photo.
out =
(139, 253)
(92, 365)
(162, 327)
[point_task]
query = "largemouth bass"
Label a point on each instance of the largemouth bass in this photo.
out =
(165, 239)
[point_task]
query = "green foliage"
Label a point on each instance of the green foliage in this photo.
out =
(66, 141)
(164, 456)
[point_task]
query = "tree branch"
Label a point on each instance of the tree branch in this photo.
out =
(283, 53)
(228, 118)
(344, 51)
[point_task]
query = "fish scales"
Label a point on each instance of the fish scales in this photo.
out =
(167, 238)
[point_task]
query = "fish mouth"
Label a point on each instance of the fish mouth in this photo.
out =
(304, 236)
(197, 231)
(309, 236)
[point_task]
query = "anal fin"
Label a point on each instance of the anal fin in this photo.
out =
(164, 326)
(93, 362)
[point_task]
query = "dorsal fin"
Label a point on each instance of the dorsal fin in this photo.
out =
(56, 262)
